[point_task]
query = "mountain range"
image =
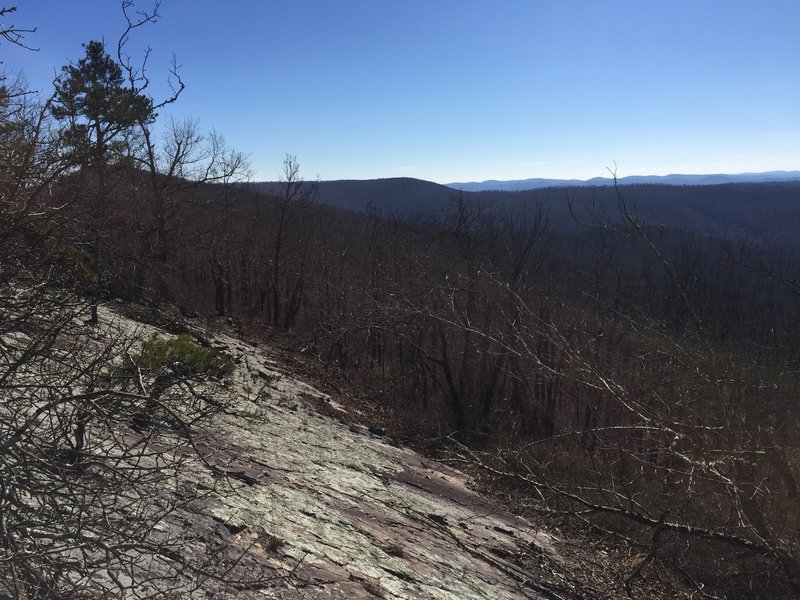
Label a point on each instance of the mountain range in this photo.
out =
(767, 212)
(674, 179)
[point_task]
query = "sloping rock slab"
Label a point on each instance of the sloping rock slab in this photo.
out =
(335, 513)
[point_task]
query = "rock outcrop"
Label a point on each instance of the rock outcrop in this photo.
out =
(326, 510)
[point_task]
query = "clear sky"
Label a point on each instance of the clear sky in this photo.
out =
(466, 90)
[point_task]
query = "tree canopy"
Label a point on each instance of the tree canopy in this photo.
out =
(98, 108)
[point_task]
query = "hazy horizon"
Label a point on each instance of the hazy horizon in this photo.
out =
(795, 173)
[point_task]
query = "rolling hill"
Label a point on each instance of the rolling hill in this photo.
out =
(765, 212)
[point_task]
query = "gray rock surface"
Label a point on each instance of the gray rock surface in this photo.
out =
(328, 510)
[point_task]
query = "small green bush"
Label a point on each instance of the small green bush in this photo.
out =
(182, 355)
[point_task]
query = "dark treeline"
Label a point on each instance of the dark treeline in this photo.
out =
(764, 213)
(761, 212)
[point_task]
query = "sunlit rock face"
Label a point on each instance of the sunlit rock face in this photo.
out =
(318, 509)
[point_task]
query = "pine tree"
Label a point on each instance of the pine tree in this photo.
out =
(99, 115)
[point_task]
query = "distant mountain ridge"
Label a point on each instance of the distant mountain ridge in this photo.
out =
(393, 195)
(674, 179)
(763, 211)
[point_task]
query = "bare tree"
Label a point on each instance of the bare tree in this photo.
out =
(13, 33)
(287, 276)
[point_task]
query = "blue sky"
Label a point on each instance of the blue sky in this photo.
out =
(465, 90)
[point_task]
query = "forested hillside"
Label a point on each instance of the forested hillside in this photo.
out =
(624, 361)
(765, 213)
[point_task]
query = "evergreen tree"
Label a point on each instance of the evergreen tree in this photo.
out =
(99, 110)
(99, 114)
